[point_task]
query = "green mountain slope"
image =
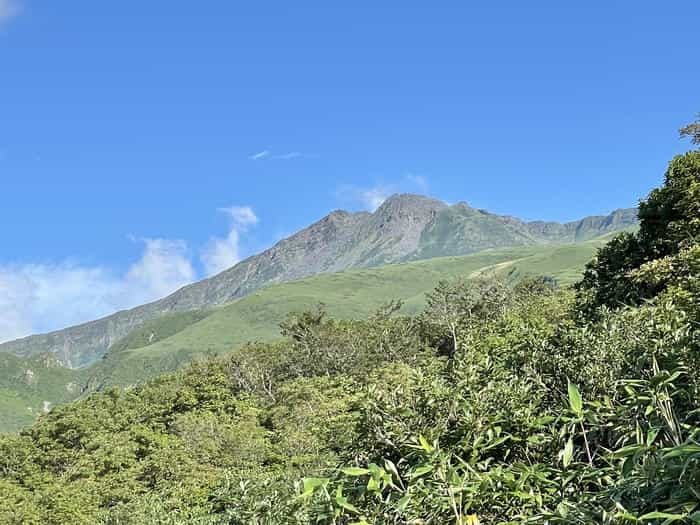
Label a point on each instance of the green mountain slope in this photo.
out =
(31, 386)
(404, 228)
(158, 329)
(349, 294)
(171, 341)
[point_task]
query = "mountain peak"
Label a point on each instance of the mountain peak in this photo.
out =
(410, 203)
(405, 227)
(462, 205)
(412, 199)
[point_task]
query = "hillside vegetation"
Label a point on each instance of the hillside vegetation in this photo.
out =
(352, 294)
(405, 228)
(493, 404)
(30, 387)
(170, 342)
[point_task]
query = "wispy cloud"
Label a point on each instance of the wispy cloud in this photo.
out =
(289, 155)
(8, 9)
(368, 198)
(260, 155)
(221, 253)
(419, 181)
(163, 268)
(241, 216)
(42, 297)
(373, 197)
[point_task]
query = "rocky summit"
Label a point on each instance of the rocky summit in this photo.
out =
(405, 227)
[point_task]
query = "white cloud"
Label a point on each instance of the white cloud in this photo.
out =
(260, 155)
(372, 198)
(420, 182)
(368, 198)
(290, 155)
(42, 297)
(163, 268)
(16, 292)
(8, 9)
(241, 216)
(221, 253)
(37, 298)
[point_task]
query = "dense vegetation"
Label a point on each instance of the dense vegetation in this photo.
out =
(30, 386)
(404, 228)
(172, 341)
(352, 294)
(496, 404)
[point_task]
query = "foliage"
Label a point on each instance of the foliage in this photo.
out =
(669, 222)
(692, 131)
(171, 342)
(352, 294)
(496, 404)
(29, 386)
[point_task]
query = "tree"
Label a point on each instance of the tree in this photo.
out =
(605, 279)
(692, 131)
(670, 217)
(458, 305)
(669, 222)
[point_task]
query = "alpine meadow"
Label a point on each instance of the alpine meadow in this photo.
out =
(331, 263)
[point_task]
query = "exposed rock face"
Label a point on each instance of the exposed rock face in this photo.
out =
(405, 227)
(586, 228)
(29, 377)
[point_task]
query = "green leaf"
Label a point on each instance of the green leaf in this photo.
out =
(575, 400)
(682, 450)
(314, 483)
(425, 445)
(628, 465)
(652, 434)
(627, 516)
(403, 503)
(568, 453)
(373, 485)
(662, 516)
(629, 450)
(343, 502)
(421, 471)
(310, 486)
(355, 471)
(389, 465)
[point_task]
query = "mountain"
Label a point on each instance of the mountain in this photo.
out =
(28, 386)
(32, 386)
(351, 294)
(405, 228)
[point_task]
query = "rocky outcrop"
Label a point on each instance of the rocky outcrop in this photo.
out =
(405, 227)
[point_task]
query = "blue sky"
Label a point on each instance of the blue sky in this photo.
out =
(147, 144)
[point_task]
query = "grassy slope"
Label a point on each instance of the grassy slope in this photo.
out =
(179, 338)
(26, 384)
(346, 295)
(155, 330)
